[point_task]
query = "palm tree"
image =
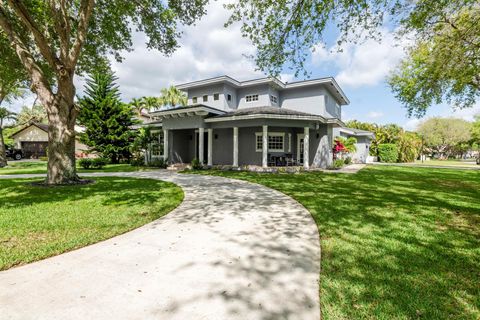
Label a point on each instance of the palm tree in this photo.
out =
(5, 115)
(172, 97)
(151, 103)
(138, 105)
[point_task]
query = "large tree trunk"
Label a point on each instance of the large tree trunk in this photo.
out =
(3, 158)
(61, 135)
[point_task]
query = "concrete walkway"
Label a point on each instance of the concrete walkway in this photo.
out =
(231, 250)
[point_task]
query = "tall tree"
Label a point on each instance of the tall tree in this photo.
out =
(442, 135)
(107, 120)
(64, 37)
(5, 115)
(444, 61)
(151, 103)
(172, 97)
(443, 66)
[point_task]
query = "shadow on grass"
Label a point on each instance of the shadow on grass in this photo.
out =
(396, 242)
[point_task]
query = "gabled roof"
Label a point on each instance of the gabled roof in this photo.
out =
(330, 82)
(41, 126)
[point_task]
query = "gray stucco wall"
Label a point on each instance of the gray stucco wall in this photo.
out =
(183, 123)
(182, 145)
(309, 99)
(263, 96)
(222, 147)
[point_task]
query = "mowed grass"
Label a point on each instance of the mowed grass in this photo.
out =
(397, 242)
(449, 163)
(34, 167)
(38, 222)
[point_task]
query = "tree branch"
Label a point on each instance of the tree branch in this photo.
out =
(40, 84)
(38, 36)
(85, 12)
(61, 25)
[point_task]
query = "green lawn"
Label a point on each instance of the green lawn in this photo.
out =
(452, 163)
(397, 242)
(38, 222)
(41, 167)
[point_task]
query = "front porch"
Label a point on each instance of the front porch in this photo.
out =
(263, 140)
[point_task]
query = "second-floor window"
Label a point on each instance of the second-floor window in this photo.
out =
(216, 96)
(194, 100)
(274, 99)
(229, 97)
(252, 97)
(205, 98)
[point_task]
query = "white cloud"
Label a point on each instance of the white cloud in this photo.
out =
(375, 114)
(363, 64)
(207, 49)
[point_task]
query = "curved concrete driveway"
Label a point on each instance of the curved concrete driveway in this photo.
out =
(231, 250)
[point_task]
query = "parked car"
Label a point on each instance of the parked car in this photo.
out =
(15, 154)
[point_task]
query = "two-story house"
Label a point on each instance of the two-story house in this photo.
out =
(263, 122)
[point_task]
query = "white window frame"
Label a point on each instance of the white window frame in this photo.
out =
(205, 98)
(273, 99)
(251, 98)
(270, 134)
(194, 100)
(217, 95)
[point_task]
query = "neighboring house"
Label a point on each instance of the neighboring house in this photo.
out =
(33, 141)
(364, 140)
(262, 122)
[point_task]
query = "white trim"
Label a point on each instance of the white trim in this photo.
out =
(270, 116)
(289, 142)
(270, 134)
(240, 84)
(235, 146)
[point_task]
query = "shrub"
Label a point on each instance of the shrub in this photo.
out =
(348, 160)
(388, 152)
(158, 163)
(85, 163)
(99, 163)
(43, 158)
(196, 165)
(137, 162)
(337, 164)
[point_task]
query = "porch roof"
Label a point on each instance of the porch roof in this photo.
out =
(191, 110)
(271, 113)
(357, 132)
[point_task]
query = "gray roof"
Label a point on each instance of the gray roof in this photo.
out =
(263, 110)
(359, 132)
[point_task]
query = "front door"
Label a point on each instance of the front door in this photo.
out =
(300, 148)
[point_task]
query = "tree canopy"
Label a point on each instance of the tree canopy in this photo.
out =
(442, 64)
(444, 135)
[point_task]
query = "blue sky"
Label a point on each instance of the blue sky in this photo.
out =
(208, 50)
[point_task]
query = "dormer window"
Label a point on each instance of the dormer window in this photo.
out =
(273, 99)
(216, 96)
(194, 100)
(252, 97)
(205, 98)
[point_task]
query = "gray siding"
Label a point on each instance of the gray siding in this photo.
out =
(309, 99)
(263, 96)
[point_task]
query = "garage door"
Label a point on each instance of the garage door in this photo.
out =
(34, 150)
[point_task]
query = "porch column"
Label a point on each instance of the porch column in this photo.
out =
(165, 144)
(235, 146)
(209, 147)
(201, 145)
(265, 147)
(306, 147)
